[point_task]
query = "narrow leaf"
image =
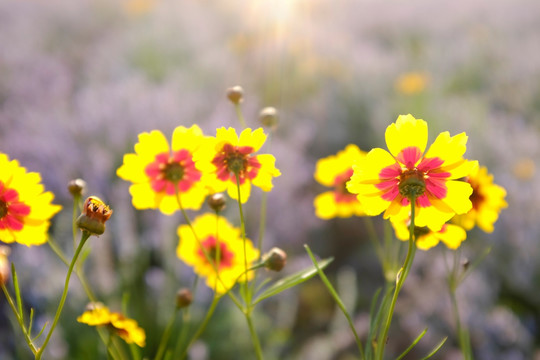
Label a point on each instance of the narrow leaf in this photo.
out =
(31, 322)
(413, 344)
(434, 351)
(17, 291)
(41, 332)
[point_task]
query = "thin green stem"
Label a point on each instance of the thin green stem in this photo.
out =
(402, 275)
(26, 334)
(76, 200)
(165, 337)
(84, 237)
(243, 231)
(240, 116)
(462, 332)
(254, 337)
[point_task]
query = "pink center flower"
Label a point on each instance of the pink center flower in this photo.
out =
(225, 256)
(12, 211)
(167, 172)
(341, 194)
(232, 160)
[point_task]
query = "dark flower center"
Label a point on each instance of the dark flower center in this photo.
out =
(173, 172)
(3, 209)
(236, 162)
(412, 183)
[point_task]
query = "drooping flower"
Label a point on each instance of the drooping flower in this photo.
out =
(222, 243)
(335, 171)
(158, 171)
(94, 215)
(97, 314)
(384, 181)
(231, 156)
(487, 201)
(451, 235)
(25, 209)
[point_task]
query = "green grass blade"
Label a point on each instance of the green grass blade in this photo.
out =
(434, 351)
(413, 344)
(17, 292)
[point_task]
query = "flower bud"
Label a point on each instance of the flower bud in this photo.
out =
(465, 263)
(275, 259)
(269, 117)
(217, 202)
(77, 187)
(4, 264)
(184, 298)
(235, 94)
(94, 215)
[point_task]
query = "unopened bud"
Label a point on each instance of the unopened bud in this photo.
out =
(465, 263)
(4, 264)
(94, 215)
(235, 94)
(217, 202)
(275, 259)
(184, 298)
(77, 187)
(269, 117)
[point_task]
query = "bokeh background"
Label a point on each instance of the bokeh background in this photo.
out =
(80, 79)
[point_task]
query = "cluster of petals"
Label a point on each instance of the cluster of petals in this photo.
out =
(25, 208)
(334, 172)
(128, 329)
(488, 199)
(215, 250)
(380, 178)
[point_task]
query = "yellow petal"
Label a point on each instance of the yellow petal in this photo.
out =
(452, 236)
(406, 132)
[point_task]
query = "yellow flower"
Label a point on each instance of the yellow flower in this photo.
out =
(451, 235)
(487, 200)
(226, 250)
(25, 209)
(411, 83)
(231, 155)
(158, 172)
(384, 181)
(128, 329)
(334, 171)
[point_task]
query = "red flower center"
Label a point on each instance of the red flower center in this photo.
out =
(341, 194)
(12, 211)
(169, 171)
(236, 160)
(223, 257)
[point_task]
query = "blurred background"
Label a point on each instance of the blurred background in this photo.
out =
(79, 80)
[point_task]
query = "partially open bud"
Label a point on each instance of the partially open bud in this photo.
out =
(184, 298)
(77, 187)
(275, 259)
(217, 202)
(465, 263)
(4, 264)
(235, 94)
(269, 117)
(94, 215)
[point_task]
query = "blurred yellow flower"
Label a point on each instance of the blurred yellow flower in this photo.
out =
(524, 169)
(25, 209)
(223, 244)
(98, 314)
(383, 181)
(158, 172)
(335, 171)
(487, 200)
(411, 83)
(451, 235)
(138, 7)
(230, 156)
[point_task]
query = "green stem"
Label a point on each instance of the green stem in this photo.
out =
(20, 321)
(76, 199)
(243, 231)
(462, 332)
(166, 336)
(84, 237)
(240, 116)
(254, 337)
(401, 276)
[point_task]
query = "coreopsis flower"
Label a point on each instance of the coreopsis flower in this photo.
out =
(425, 238)
(411, 83)
(94, 215)
(98, 314)
(384, 181)
(159, 172)
(223, 251)
(231, 156)
(335, 171)
(487, 201)
(25, 209)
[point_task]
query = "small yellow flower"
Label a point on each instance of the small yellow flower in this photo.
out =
(335, 171)
(451, 235)
(383, 181)
(487, 200)
(159, 172)
(25, 209)
(411, 83)
(230, 156)
(98, 314)
(226, 249)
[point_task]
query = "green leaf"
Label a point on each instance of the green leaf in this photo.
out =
(418, 338)
(291, 280)
(434, 351)
(17, 292)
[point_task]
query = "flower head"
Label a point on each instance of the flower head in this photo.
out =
(98, 314)
(335, 171)
(94, 215)
(219, 241)
(487, 201)
(412, 83)
(451, 235)
(158, 172)
(385, 181)
(231, 156)
(25, 209)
